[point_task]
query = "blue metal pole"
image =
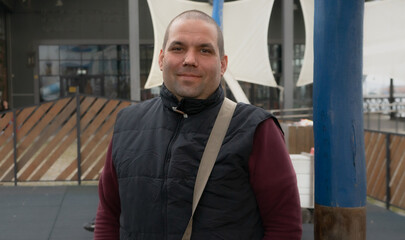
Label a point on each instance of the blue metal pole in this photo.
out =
(217, 8)
(340, 176)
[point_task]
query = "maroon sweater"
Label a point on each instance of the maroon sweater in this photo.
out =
(272, 177)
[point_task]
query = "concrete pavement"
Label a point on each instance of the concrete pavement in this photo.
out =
(59, 213)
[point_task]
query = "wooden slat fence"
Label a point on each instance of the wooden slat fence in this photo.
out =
(385, 166)
(43, 145)
(40, 143)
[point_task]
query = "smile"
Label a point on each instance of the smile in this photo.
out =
(189, 75)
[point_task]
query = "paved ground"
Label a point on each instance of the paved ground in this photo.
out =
(39, 213)
(58, 213)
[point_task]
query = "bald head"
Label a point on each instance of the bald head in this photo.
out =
(197, 15)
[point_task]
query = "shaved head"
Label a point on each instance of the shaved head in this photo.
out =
(197, 15)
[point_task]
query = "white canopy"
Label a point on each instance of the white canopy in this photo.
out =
(245, 25)
(307, 70)
(384, 40)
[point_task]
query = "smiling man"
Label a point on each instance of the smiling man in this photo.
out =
(191, 60)
(146, 187)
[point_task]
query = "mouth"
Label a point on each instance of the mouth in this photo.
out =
(188, 75)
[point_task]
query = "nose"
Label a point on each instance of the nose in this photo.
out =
(190, 59)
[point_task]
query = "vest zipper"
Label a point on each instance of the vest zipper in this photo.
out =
(166, 170)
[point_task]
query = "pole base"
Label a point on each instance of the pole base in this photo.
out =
(339, 223)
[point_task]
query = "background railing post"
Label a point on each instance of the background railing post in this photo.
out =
(368, 115)
(397, 116)
(79, 172)
(388, 173)
(15, 146)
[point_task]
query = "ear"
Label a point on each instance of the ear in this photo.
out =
(161, 56)
(224, 64)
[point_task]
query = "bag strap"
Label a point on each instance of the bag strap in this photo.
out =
(210, 155)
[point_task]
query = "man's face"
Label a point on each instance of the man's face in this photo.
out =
(191, 64)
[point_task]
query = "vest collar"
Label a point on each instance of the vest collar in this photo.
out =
(190, 106)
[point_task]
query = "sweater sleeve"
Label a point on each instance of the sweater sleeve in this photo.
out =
(109, 207)
(274, 183)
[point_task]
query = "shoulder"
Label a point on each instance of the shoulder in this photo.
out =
(136, 113)
(255, 114)
(251, 113)
(246, 109)
(140, 108)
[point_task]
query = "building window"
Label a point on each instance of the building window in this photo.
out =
(302, 95)
(100, 70)
(3, 61)
(146, 57)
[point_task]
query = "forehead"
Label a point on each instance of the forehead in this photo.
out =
(194, 28)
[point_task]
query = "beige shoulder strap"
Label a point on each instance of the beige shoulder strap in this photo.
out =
(210, 155)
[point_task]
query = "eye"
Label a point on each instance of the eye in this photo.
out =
(206, 50)
(176, 49)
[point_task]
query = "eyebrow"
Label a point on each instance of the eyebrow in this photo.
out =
(175, 43)
(208, 45)
(203, 45)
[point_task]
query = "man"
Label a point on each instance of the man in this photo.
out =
(146, 188)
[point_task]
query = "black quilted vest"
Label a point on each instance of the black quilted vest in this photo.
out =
(156, 153)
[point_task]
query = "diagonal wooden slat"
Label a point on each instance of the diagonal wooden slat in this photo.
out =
(46, 151)
(397, 182)
(55, 155)
(399, 199)
(97, 121)
(95, 171)
(366, 139)
(85, 103)
(104, 129)
(376, 167)
(22, 116)
(7, 150)
(6, 133)
(374, 161)
(53, 145)
(32, 142)
(5, 120)
(377, 160)
(88, 148)
(24, 141)
(101, 148)
(43, 136)
(29, 117)
(84, 121)
(397, 157)
(91, 112)
(370, 151)
(381, 182)
(47, 130)
(401, 189)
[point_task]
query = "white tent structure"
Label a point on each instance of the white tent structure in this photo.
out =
(245, 26)
(384, 40)
(307, 71)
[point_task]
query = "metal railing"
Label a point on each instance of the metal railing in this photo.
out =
(293, 113)
(62, 140)
(384, 116)
(385, 164)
